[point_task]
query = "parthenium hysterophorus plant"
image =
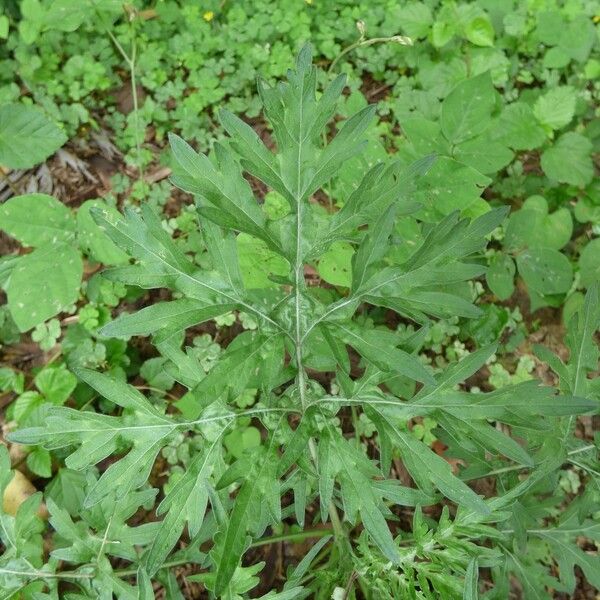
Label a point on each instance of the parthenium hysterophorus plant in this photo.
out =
(305, 454)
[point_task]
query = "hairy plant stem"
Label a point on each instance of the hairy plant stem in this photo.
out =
(299, 282)
(37, 574)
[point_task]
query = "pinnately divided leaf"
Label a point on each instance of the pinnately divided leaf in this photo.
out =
(298, 391)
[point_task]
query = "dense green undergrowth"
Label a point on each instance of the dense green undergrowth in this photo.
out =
(363, 325)
(525, 76)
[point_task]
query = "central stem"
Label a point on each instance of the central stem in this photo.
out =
(298, 282)
(340, 534)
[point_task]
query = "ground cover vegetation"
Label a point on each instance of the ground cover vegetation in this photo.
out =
(333, 334)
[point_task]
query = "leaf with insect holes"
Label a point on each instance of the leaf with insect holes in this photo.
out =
(556, 107)
(93, 240)
(569, 160)
(27, 136)
(589, 263)
(534, 226)
(43, 284)
(518, 128)
(37, 219)
(335, 264)
(545, 270)
(500, 276)
(466, 110)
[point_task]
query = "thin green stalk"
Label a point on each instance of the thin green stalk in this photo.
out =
(130, 61)
(136, 113)
(291, 537)
(519, 467)
(104, 538)
(397, 39)
(166, 565)
(355, 424)
(594, 472)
